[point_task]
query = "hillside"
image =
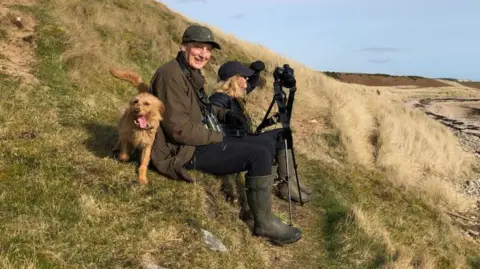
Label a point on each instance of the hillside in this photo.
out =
(385, 80)
(392, 80)
(385, 175)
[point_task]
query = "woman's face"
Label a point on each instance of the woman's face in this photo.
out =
(242, 87)
(197, 54)
(242, 82)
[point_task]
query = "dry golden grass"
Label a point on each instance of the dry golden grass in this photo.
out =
(412, 93)
(376, 131)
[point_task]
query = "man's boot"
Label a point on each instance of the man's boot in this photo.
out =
(292, 182)
(265, 223)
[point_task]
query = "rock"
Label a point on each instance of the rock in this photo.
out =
(474, 233)
(213, 242)
(151, 266)
(18, 22)
(148, 263)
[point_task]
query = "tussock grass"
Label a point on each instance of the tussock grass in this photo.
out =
(66, 202)
(374, 130)
(357, 233)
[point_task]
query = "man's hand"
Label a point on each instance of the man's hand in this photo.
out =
(235, 120)
(257, 66)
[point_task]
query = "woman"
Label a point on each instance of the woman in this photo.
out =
(235, 82)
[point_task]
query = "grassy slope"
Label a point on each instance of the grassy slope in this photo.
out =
(66, 203)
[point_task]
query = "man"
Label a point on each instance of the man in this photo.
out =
(184, 142)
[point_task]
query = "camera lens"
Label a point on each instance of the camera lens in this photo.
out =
(285, 75)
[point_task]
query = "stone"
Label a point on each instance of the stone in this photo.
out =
(213, 242)
(18, 22)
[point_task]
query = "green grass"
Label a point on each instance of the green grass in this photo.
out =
(410, 222)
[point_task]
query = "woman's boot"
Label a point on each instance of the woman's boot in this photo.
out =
(258, 190)
(245, 214)
(292, 182)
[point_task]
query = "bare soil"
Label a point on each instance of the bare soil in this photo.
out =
(472, 84)
(17, 42)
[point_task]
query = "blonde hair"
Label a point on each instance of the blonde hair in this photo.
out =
(230, 87)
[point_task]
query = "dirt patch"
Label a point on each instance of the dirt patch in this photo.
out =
(385, 80)
(472, 84)
(17, 42)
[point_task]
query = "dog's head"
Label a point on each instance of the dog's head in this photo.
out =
(147, 110)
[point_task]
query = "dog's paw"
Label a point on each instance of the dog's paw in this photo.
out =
(124, 157)
(142, 180)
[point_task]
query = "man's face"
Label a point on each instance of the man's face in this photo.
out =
(197, 54)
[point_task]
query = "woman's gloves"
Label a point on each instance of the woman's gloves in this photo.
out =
(253, 80)
(257, 66)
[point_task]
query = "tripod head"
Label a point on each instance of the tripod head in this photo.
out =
(285, 76)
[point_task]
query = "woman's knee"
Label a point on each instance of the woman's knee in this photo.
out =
(268, 143)
(261, 161)
(263, 153)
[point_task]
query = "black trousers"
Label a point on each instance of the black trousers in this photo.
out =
(234, 155)
(276, 136)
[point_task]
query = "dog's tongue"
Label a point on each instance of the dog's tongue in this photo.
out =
(142, 121)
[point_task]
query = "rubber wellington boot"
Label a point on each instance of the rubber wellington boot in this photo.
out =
(265, 223)
(245, 212)
(282, 175)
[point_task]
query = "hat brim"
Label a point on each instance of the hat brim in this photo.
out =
(213, 43)
(246, 72)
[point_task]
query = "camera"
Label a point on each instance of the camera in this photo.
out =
(285, 75)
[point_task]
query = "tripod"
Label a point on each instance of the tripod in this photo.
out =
(283, 115)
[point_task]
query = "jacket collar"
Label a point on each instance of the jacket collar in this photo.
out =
(194, 76)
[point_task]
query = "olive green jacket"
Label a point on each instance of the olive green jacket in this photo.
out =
(181, 128)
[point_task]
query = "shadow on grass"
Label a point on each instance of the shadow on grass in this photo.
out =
(102, 139)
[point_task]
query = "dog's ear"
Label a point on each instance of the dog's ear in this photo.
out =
(161, 107)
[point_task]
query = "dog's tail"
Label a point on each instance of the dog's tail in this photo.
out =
(131, 77)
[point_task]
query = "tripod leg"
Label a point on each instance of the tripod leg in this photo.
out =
(263, 124)
(288, 184)
(296, 173)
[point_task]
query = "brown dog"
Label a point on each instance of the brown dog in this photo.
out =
(138, 124)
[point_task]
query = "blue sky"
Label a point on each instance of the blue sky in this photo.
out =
(431, 38)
